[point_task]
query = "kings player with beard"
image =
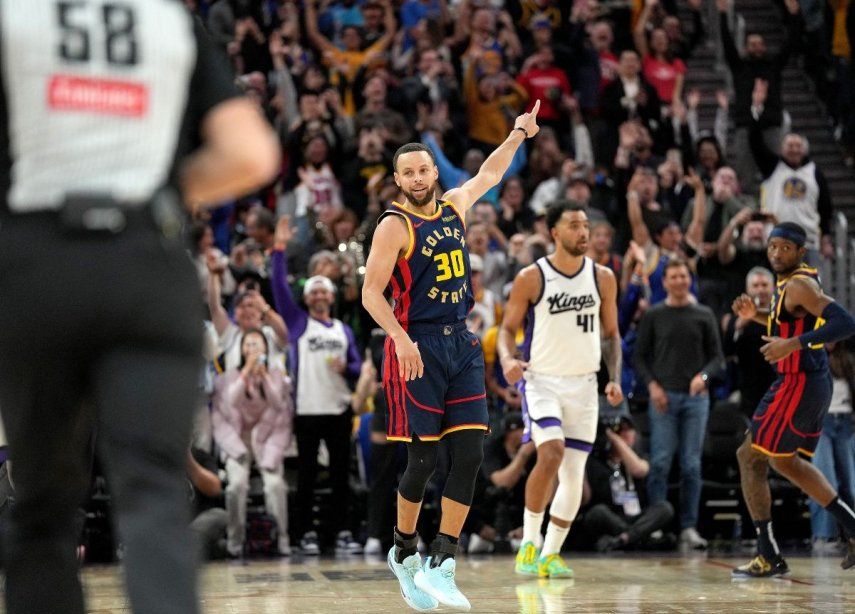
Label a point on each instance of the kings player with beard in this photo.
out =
(568, 302)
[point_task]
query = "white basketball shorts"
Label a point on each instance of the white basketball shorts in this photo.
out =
(560, 408)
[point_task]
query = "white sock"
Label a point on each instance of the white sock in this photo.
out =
(555, 537)
(532, 521)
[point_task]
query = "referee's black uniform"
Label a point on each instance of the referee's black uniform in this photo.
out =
(100, 322)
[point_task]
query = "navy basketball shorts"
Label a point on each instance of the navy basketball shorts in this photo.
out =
(450, 396)
(789, 417)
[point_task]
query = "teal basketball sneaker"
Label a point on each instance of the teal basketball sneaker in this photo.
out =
(553, 566)
(526, 561)
(438, 582)
(405, 572)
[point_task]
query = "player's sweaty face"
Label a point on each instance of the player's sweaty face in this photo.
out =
(416, 176)
(573, 232)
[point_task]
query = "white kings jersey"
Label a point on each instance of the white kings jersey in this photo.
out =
(320, 389)
(562, 332)
(77, 115)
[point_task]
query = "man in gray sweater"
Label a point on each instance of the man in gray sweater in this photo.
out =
(677, 353)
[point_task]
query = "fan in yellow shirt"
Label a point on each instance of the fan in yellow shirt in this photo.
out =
(346, 63)
(841, 46)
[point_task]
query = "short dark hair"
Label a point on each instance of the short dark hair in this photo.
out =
(410, 148)
(675, 262)
(239, 298)
(712, 140)
(359, 31)
(263, 218)
(557, 208)
(197, 231)
(664, 225)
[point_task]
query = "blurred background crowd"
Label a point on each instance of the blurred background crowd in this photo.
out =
(290, 451)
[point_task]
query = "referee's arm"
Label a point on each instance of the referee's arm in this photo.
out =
(239, 151)
(240, 154)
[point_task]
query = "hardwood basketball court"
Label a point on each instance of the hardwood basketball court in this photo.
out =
(626, 585)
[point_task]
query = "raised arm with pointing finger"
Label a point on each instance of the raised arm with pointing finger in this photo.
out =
(494, 167)
(392, 240)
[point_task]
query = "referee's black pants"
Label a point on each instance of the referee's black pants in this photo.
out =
(98, 332)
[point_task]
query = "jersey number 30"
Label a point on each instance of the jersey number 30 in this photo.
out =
(449, 265)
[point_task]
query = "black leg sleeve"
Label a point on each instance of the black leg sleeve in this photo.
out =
(467, 452)
(421, 462)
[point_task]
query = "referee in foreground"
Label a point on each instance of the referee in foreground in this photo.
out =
(111, 115)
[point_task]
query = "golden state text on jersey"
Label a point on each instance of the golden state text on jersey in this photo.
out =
(431, 281)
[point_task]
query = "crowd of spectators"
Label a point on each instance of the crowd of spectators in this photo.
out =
(674, 205)
(829, 32)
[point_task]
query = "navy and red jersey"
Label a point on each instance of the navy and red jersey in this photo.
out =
(783, 324)
(431, 282)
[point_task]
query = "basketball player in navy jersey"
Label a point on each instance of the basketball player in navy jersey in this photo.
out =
(433, 370)
(789, 418)
(569, 305)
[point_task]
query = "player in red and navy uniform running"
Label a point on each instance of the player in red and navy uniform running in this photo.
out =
(789, 418)
(433, 371)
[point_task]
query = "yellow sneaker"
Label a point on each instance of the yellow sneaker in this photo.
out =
(553, 566)
(526, 563)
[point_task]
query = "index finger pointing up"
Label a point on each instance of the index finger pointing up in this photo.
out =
(535, 108)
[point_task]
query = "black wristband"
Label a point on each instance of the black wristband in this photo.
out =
(524, 131)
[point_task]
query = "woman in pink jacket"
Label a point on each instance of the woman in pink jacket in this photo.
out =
(252, 421)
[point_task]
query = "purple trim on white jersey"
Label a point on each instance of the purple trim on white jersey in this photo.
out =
(578, 444)
(529, 334)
